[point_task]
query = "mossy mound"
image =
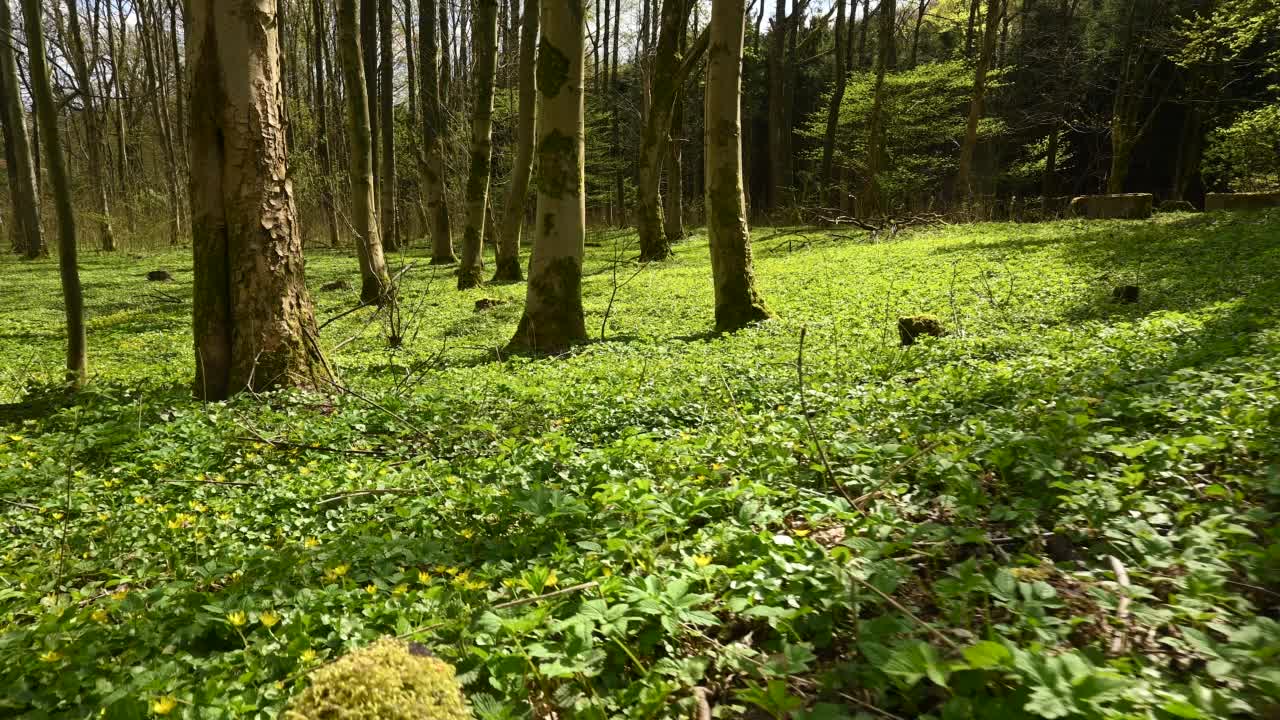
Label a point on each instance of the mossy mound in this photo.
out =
(910, 328)
(388, 680)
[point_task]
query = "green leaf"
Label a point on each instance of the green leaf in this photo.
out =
(987, 654)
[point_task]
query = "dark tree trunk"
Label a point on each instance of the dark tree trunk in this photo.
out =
(386, 98)
(46, 108)
(28, 238)
(833, 109)
(507, 265)
(485, 28)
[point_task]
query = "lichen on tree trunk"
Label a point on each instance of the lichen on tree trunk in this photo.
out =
(485, 29)
(553, 318)
(737, 302)
(253, 319)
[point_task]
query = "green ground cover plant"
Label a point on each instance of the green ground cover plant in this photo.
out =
(1063, 508)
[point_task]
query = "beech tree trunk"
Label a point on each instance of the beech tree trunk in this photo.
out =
(485, 37)
(432, 108)
(160, 114)
(669, 73)
(833, 109)
(320, 61)
(553, 319)
(22, 173)
(507, 267)
(386, 97)
(870, 202)
(55, 162)
(673, 201)
(93, 128)
(254, 324)
(737, 302)
(375, 284)
(989, 35)
(369, 57)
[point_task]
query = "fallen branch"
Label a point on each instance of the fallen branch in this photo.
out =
(701, 708)
(1119, 643)
(23, 505)
(903, 609)
(813, 433)
(210, 482)
(544, 596)
(360, 493)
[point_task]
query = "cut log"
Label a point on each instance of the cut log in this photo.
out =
(1127, 206)
(1241, 201)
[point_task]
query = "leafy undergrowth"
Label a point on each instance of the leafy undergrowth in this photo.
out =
(1065, 508)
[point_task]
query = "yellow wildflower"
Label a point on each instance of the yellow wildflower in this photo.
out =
(268, 618)
(467, 533)
(308, 656)
(340, 570)
(50, 656)
(371, 588)
(702, 560)
(99, 615)
(400, 589)
(424, 577)
(552, 580)
(237, 618)
(311, 542)
(163, 705)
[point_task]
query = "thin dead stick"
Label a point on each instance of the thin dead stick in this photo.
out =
(357, 395)
(903, 609)
(1120, 642)
(343, 314)
(304, 446)
(813, 434)
(359, 493)
(701, 708)
(417, 630)
(23, 505)
(893, 471)
(210, 482)
(868, 706)
(557, 593)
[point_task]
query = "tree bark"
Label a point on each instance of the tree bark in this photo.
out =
(619, 188)
(22, 188)
(375, 285)
(870, 202)
(673, 201)
(669, 74)
(160, 114)
(47, 110)
(97, 172)
(737, 302)
(386, 96)
(369, 57)
(485, 37)
(432, 106)
(507, 267)
(553, 318)
(963, 180)
(921, 9)
(254, 323)
(833, 108)
(779, 163)
(320, 60)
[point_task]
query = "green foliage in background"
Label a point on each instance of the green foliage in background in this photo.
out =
(160, 557)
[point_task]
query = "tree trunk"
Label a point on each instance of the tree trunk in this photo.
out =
(485, 37)
(390, 231)
(22, 187)
(375, 285)
(737, 302)
(553, 319)
(989, 34)
(673, 207)
(160, 114)
(433, 171)
(969, 28)
(862, 34)
(1049, 180)
(870, 202)
(619, 189)
(921, 9)
(254, 323)
(369, 57)
(507, 266)
(97, 172)
(833, 109)
(321, 61)
(1190, 149)
(669, 74)
(47, 110)
(778, 160)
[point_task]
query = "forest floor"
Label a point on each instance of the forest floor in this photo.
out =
(1066, 507)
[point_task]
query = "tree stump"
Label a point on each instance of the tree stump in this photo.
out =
(910, 328)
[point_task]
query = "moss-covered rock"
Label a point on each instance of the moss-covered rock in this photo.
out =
(388, 680)
(910, 328)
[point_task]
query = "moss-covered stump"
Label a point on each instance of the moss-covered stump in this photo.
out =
(910, 328)
(388, 680)
(1241, 201)
(1127, 206)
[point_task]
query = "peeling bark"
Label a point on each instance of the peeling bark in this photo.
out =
(254, 322)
